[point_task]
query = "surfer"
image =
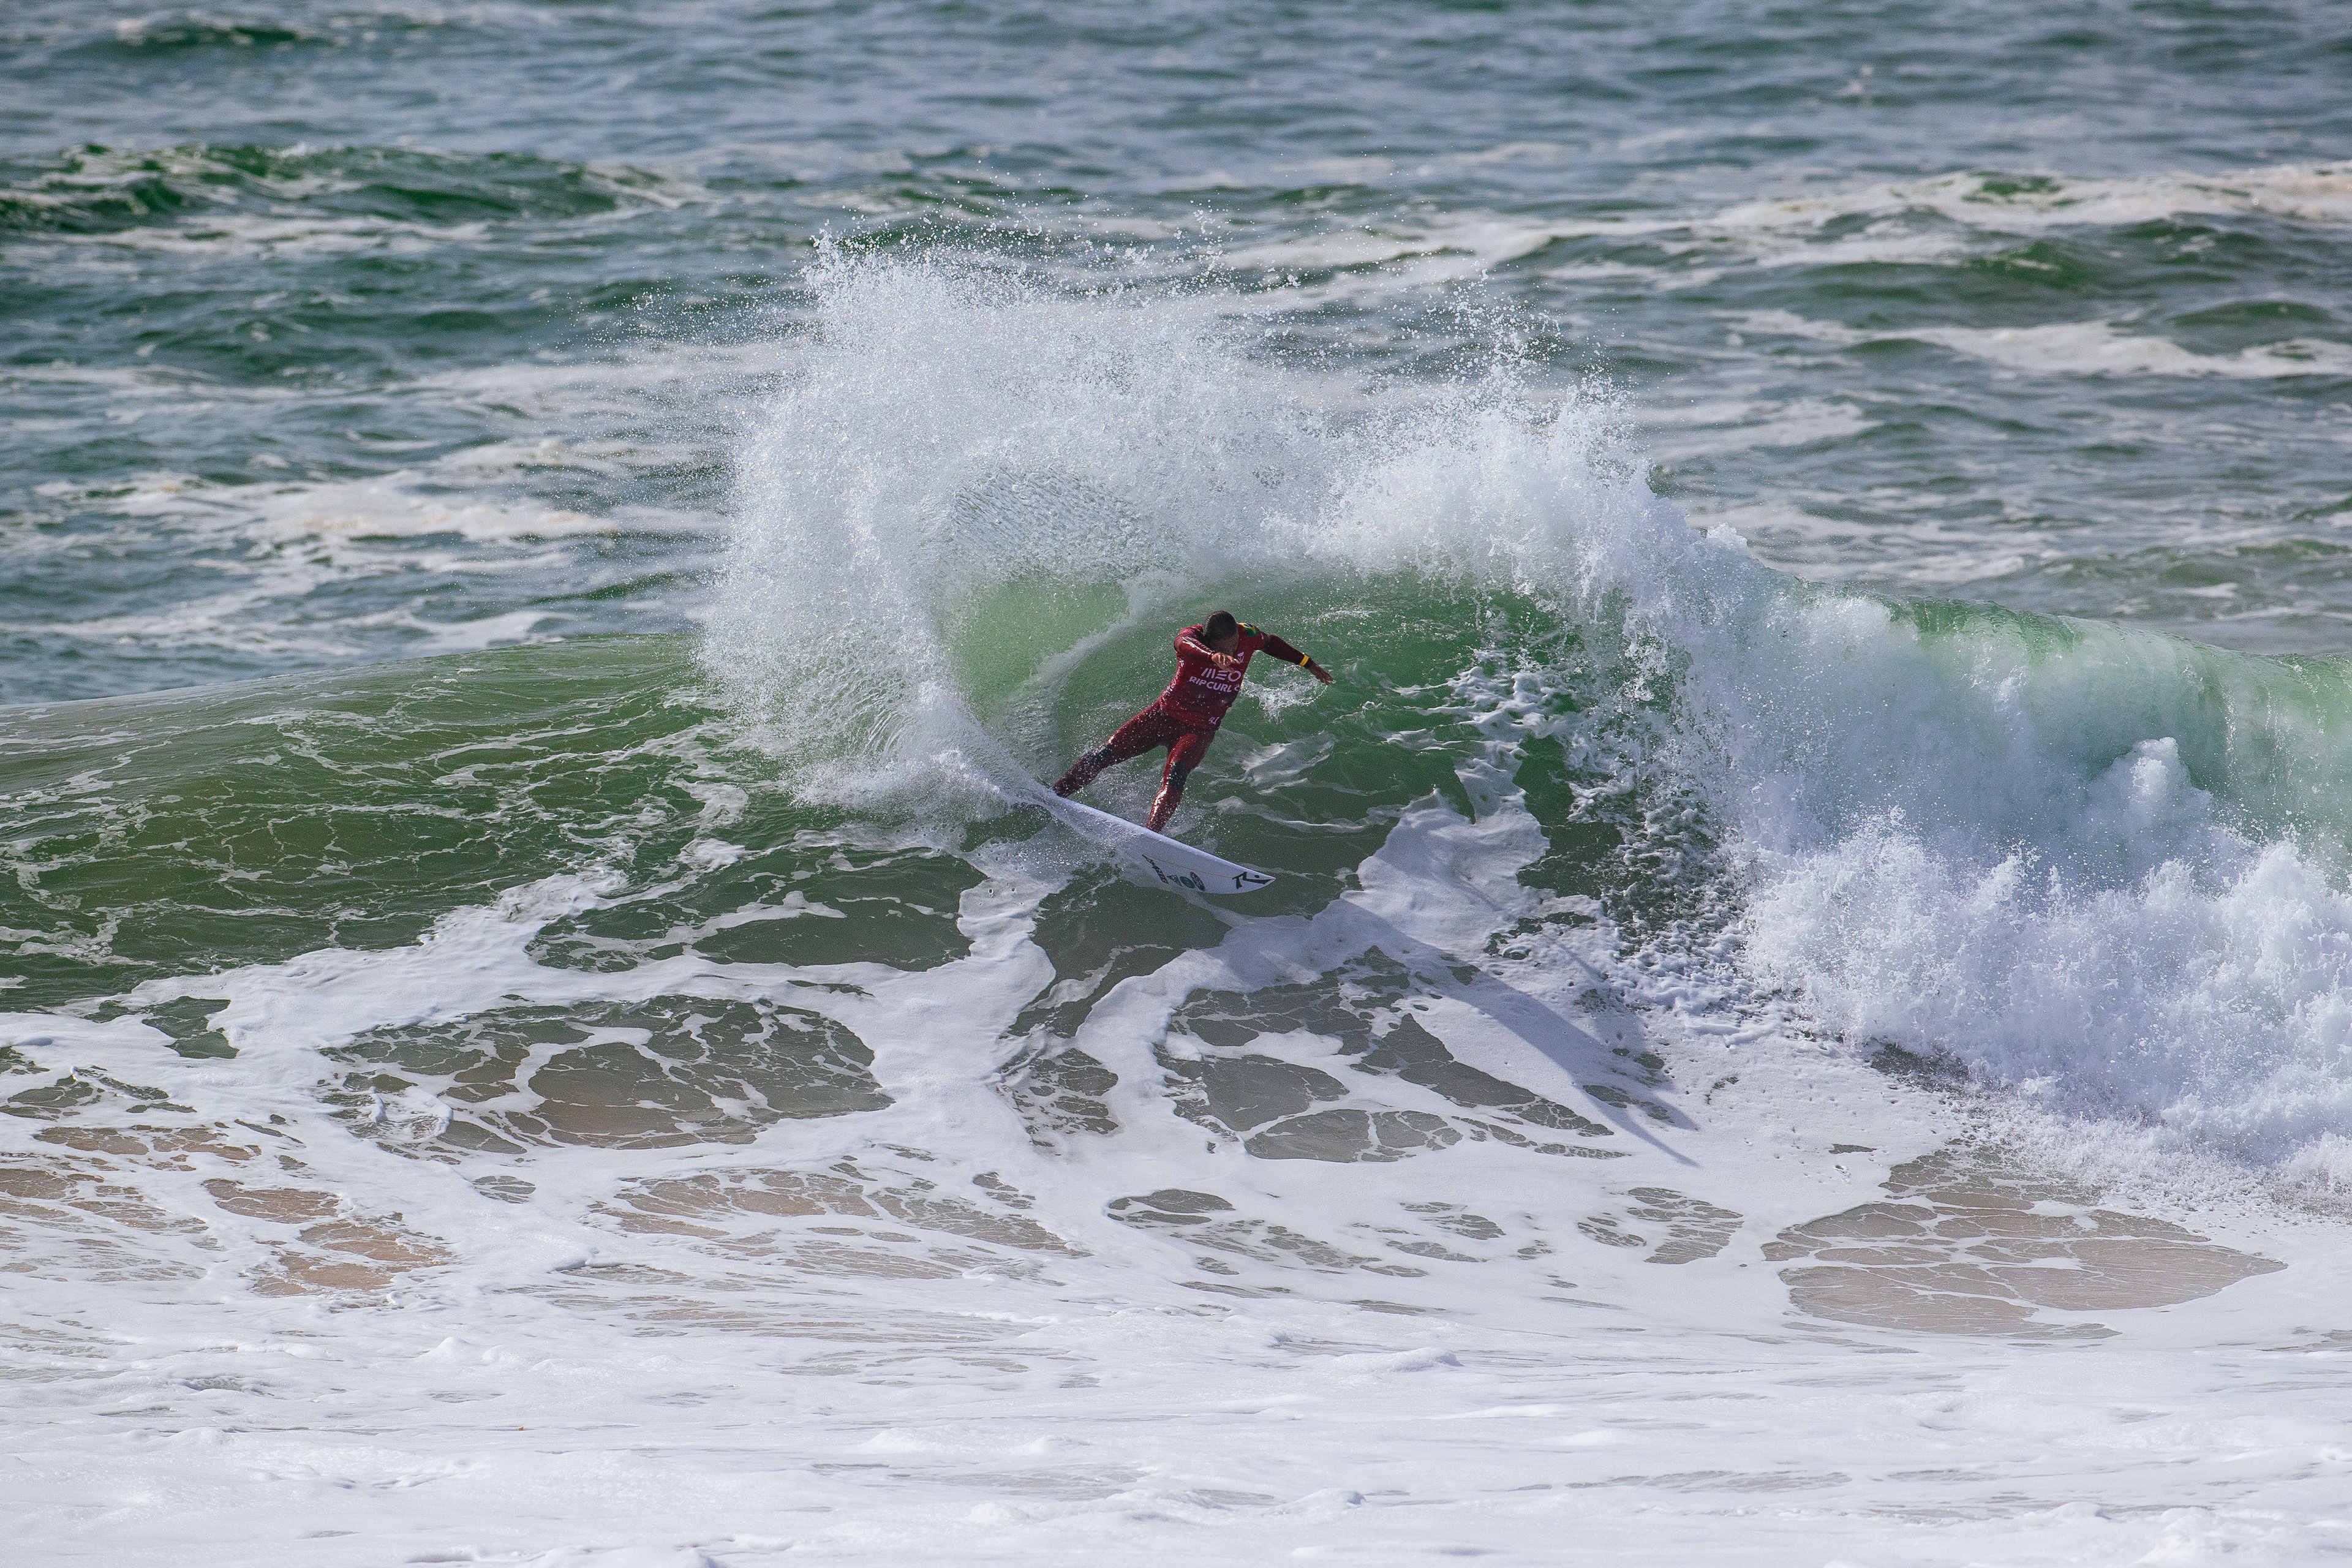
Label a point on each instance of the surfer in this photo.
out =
(1211, 660)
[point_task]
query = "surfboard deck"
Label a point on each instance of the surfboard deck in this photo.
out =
(1174, 862)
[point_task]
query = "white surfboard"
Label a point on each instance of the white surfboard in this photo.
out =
(1175, 863)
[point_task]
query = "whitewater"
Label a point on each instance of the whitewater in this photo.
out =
(1679, 972)
(1805, 1014)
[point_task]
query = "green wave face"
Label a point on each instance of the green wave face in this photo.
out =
(170, 835)
(176, 833)
(194, 830)
(185, 832)
(2268, 736)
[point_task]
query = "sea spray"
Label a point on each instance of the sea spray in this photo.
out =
(961, 441)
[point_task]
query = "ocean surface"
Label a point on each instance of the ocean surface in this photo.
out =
(1805, 1018)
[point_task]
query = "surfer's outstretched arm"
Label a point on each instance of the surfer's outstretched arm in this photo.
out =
(1290, 655)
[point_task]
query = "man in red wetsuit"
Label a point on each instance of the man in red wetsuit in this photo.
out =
(1211, 660)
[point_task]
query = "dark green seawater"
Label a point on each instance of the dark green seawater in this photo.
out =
(540, 1023)
(339, 333)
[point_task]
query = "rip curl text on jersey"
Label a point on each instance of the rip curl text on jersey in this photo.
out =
(1202, 689)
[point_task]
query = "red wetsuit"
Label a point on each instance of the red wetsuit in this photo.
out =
(1184, 718)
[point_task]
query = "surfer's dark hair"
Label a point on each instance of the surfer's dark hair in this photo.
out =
(1221, 624)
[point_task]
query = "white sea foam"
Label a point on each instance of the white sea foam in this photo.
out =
(254, 234)
(231, 210)
(1781, 229)
(1735, 424)
(2307, 192)
(1489, 239)
(2201, 979)
(2081, 348)
(551, 1382)
(1922, 557)
(1975, 846)
(1957, 837)
(1938, 221)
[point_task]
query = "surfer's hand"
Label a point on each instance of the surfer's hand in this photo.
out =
(1319, 672)
(1226, 660)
